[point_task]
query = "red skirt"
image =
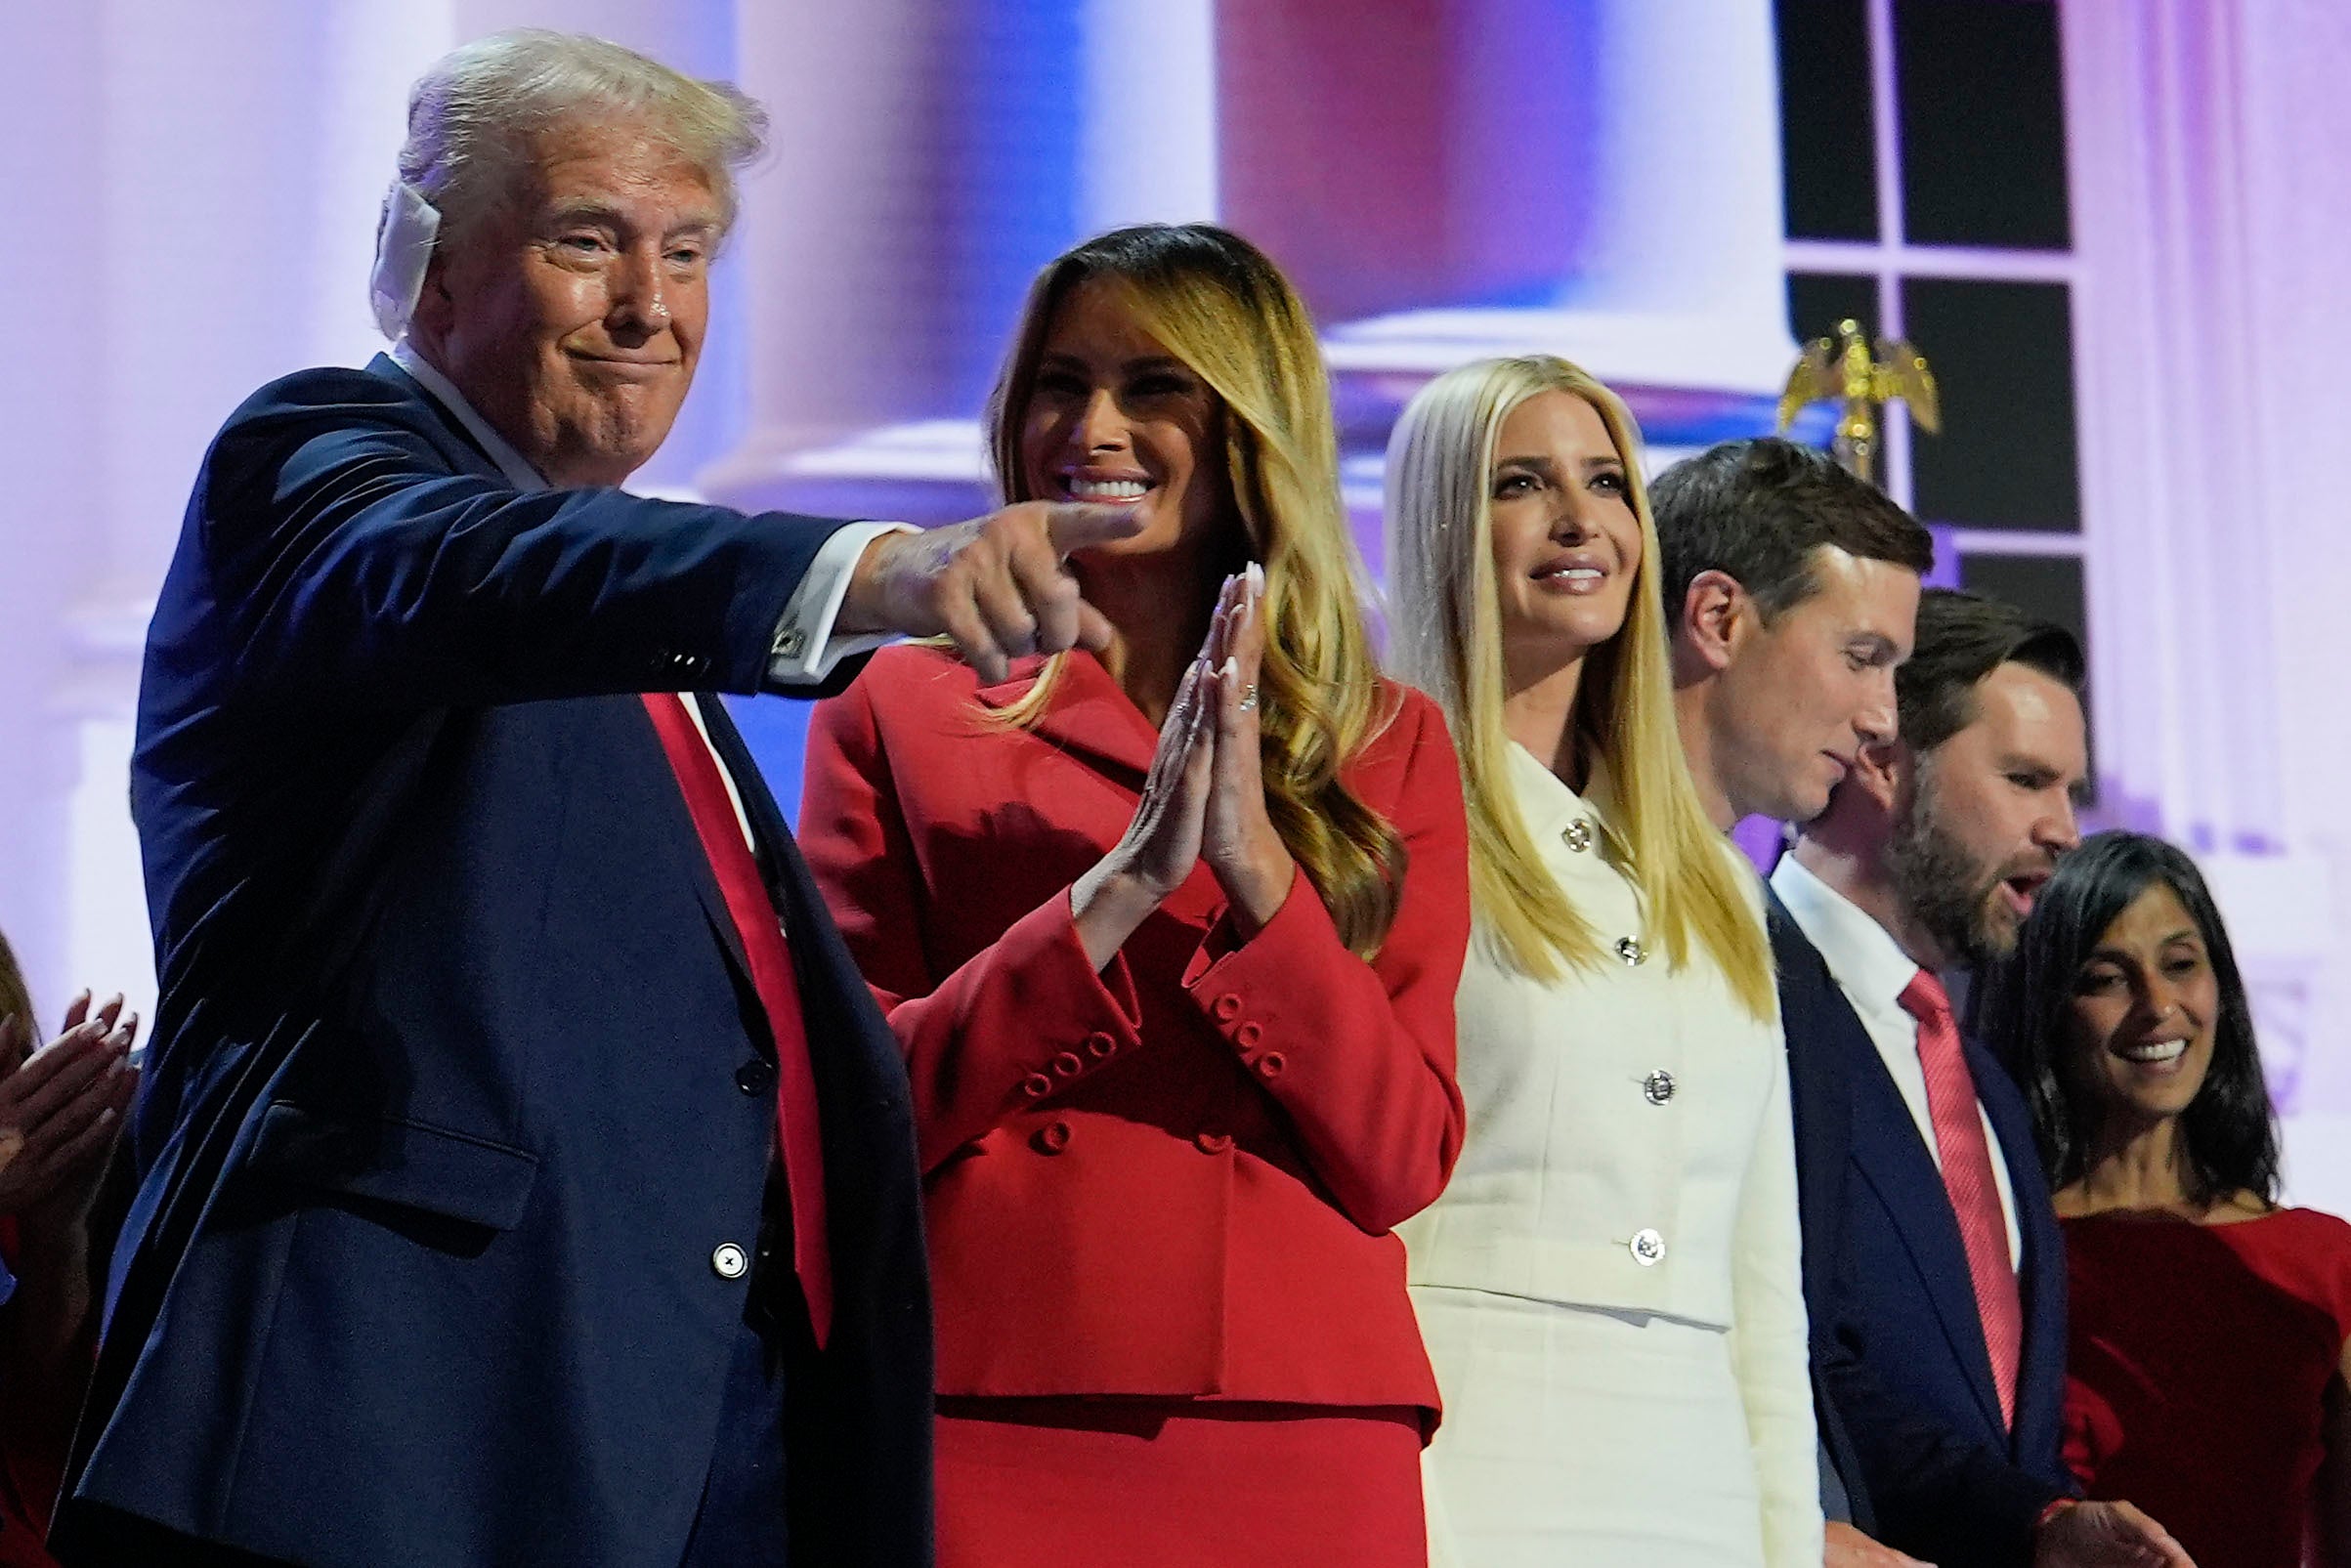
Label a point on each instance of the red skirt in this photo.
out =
(1178, 1484)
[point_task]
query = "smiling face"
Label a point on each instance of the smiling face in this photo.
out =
(572, 316)
(1567, 544)
(2144, 1013)
(1804, 692)
(1989, 812)
(1115, 417)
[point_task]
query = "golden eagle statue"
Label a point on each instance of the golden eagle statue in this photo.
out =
(1841, 370)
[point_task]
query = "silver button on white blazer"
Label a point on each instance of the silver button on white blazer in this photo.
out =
(1614, 1269)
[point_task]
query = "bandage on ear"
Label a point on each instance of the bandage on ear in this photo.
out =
(404, 249)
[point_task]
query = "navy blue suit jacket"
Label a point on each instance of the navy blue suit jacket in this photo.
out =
(458, 1081)
(1904, 1382)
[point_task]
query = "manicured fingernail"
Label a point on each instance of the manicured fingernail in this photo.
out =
(1256, 576)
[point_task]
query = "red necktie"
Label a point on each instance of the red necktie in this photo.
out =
(1966, 1158)
(763, 934)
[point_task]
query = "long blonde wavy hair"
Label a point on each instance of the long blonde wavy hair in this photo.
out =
(1445, 637)
(1219, 306)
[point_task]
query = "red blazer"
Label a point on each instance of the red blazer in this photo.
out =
(1176, 1177)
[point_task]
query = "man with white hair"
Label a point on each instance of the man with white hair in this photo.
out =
(525, 1174)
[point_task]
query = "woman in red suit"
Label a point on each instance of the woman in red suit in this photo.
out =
(1169, 933)
(2207, 1327)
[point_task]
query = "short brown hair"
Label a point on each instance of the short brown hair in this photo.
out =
(1963, 637)
(1758, 509)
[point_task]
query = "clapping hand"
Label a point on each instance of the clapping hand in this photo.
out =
(1204, 797)
(1000, 586)
(1238, 839)
(61, 1108)
(2106, 1535)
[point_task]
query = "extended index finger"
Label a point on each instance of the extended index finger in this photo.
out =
(1078, 524)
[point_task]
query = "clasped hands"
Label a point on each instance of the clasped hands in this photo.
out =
(1204, 798)
(61, 1109)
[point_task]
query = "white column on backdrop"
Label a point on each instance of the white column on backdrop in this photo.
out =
(236, 158)
(1150, 153)
(929, 154)
(2210, 217)
(52, 140)
(834, 222)
(1673, 275)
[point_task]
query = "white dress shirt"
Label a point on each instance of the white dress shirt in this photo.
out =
(1872, 970)
(806, 625)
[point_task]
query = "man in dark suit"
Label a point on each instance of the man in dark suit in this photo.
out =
(1947, 1351)
(1934, 1273)
(525, 1174)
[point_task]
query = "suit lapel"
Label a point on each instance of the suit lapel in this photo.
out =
(1088, 716)
(2041, 1265)
(460, 447)
(687, 845)
(1893, 1159)
(1823, 1116)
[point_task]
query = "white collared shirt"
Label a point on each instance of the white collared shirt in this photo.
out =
(1872, 970)
(809, 614)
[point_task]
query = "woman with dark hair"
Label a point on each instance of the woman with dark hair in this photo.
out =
(1170, 935)
(2208, 1326)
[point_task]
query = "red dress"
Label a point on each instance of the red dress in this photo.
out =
(2199, 1362)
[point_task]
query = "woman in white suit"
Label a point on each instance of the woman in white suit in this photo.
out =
(1609, 1288)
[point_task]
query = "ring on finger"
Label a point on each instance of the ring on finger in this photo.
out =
(1249, 698)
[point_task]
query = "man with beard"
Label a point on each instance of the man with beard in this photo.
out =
(1793, 591)
(1943, 1344)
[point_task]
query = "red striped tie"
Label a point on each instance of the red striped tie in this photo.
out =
(763, 934)
(1966, 1158)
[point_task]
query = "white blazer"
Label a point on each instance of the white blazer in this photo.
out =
(1629, 1146)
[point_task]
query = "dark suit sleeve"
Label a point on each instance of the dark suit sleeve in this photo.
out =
(1933, 1490)
(336, 541)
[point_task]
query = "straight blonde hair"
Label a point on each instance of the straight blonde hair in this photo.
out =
(1445, 636)
(1219, 305)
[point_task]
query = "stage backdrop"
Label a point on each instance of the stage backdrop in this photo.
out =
(2116, 229)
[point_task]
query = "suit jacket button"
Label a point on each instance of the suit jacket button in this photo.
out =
(1228, 1007)
(1069, 1063)
(1657, 1087)
(1036, 1086)
(1213, 1143)
(1271, 1065)
(1052, 1138)
(755, 1077)
(1647, 1248)
(729, 1262)
(1249, 1034)
(1100, 1045)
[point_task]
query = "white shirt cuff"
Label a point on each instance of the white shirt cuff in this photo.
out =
(805, 650)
